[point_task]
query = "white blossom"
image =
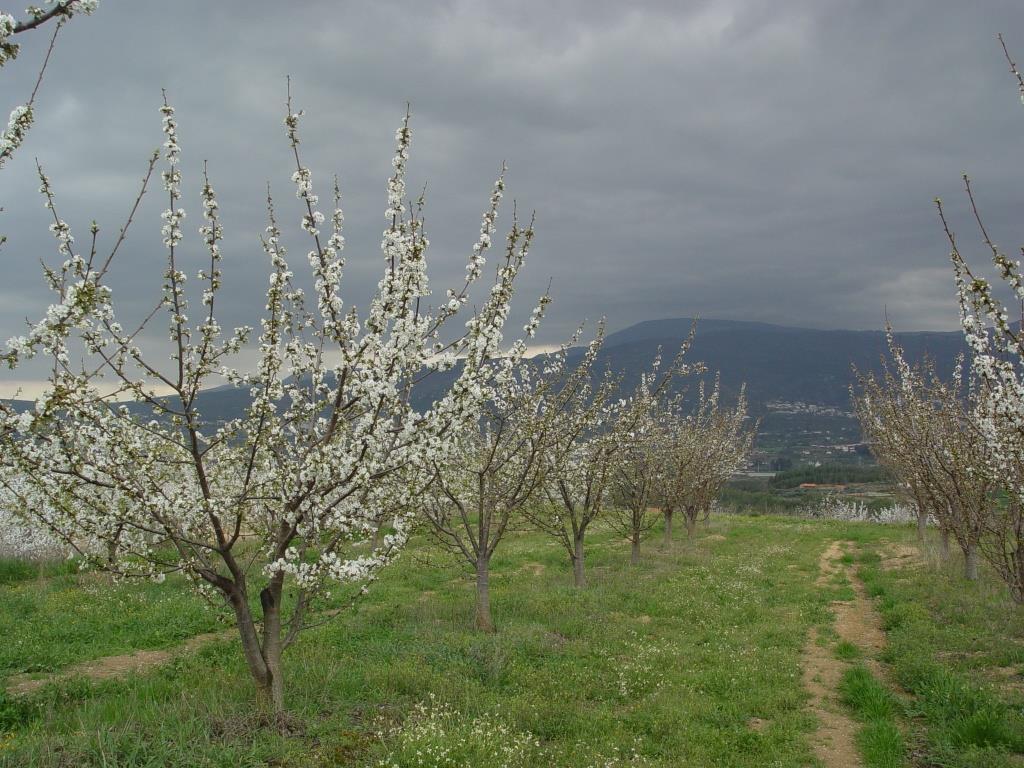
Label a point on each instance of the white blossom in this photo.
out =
(329, 456)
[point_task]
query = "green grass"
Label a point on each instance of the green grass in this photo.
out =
(879, 740)
(665, 664)
(949, 644)
(13, 571)
(868, 698)
(51, 622)
(847, 651)
(692, 658)
(881, 745)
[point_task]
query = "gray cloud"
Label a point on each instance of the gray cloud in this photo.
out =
(730, 158)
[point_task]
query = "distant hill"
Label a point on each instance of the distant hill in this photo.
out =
(778, 363)
(797, 379)
(811, 370)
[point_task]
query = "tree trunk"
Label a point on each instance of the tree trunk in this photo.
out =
(578, 575)
(1016, 580)
(378, 534)
(484, 622)
(251, 645)
(922, 526)
(971, 562)
(270, 598)
(945, 543)
(634, 555)
(668, 528)
(113, 544)
(1017, 590)
(691, 526)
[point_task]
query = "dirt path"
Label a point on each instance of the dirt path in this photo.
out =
(110, 667)
(856, 621)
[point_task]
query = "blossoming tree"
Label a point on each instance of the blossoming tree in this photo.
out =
(997, 364)
(480, 490)
(22, 116)
(921, 427)
(24, 538)
(578, 464)
(584, 455)
(642, 428)
(286, 498)
(704, 445)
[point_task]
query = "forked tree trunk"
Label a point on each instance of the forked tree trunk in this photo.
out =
(484, 622)
(578, 575)
(668, 527)
(269, 688)
(971, 562)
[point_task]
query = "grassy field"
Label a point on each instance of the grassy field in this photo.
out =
(65, 616)
(694, 658)
(956, 650)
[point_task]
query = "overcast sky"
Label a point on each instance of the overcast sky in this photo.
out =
(771, 161)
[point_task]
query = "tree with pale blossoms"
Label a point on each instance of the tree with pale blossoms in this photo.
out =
(705, 443)
(997, 367)
(644, 420)
(284, 500)
(895, 422)
(833, 507)
(921, 427)
(23, 115)
(637, 476)
(579, 460)
(24, 537)
(584, 457)
(481, 490)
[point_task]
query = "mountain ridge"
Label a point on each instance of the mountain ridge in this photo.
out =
(797, 379)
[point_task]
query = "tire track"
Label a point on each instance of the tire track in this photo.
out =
(856, 621)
